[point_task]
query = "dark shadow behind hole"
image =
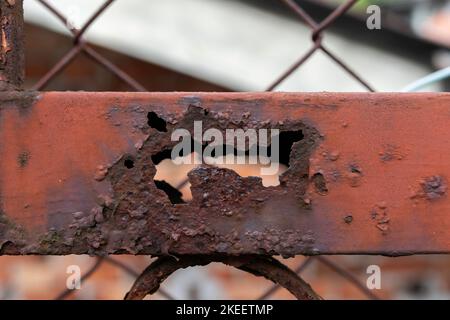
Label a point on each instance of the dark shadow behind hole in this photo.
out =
(287, 141)
(161, 156)
(155, 122)
(129, 163)
(174, 195)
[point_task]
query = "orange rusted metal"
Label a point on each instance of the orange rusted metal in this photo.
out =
(369, 177)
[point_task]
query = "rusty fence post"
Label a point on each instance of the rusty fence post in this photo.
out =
(12, 55)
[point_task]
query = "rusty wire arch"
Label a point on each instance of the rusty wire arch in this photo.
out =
(151, 278)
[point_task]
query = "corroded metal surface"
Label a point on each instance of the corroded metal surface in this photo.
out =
(12, 61)
(369, 176)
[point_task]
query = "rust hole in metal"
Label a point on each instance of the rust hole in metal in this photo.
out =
(155, 122)
(175, 196)
(162, 159)
(287, 141)
(128, 163)
(173, 179)
(161, 156)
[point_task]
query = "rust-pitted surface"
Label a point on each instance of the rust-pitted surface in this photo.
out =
(370, 175)
(12, 64)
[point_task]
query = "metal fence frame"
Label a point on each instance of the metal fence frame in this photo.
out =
(80, 46)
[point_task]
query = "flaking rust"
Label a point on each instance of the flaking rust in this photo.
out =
(11, 45)
(91, 190)
(222, 202)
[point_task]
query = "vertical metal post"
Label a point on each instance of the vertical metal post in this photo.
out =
(12, 55)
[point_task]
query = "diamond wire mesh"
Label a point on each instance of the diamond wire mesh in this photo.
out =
(317, 39)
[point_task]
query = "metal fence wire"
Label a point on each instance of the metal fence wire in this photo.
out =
(81, 46)
(318, 43)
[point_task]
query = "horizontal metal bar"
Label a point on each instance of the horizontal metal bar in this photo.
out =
(370, 175)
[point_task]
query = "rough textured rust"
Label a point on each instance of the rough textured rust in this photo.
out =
(149, 281)
(12, 65)
(369, 176)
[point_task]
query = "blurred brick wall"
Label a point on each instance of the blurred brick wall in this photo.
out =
(416, 277)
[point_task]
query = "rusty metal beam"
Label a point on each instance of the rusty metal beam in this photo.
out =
(369, 177)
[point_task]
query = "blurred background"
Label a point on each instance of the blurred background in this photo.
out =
(234, 45)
